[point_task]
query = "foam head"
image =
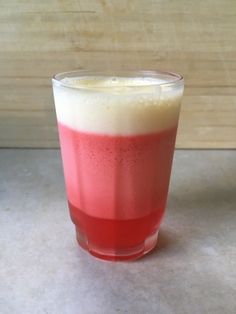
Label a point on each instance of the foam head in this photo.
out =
(117, 105)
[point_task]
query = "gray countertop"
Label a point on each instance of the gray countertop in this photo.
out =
(192, 270)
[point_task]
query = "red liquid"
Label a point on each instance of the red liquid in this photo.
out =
(116, 186)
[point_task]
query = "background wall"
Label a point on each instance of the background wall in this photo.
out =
(194, 38)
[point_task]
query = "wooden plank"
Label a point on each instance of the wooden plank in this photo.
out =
(206, 134)
(197, 73)
(41, 38)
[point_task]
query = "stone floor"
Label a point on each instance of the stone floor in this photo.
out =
(192, 270)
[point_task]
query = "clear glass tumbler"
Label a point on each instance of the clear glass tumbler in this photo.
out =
(117, 135)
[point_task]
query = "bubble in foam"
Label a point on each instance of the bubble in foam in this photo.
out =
(114, 79)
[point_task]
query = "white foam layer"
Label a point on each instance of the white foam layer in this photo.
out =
(117, 105)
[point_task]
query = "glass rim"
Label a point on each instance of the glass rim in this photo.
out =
(177, 78)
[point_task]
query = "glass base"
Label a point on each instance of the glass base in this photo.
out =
(117, 254)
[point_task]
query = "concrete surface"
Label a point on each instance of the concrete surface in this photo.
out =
(192, 270)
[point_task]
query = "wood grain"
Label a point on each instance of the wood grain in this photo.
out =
(41, 38)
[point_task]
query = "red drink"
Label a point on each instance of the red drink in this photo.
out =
(117, 177)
